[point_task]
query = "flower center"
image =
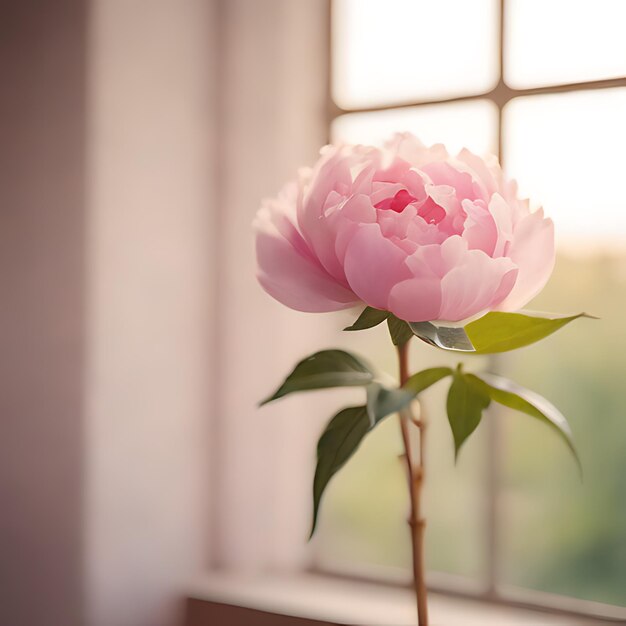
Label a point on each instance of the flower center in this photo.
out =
(431, 212)
(397, 203)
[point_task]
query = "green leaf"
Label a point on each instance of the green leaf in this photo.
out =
(346, 430)
(338, 443)
(465, 405)
(369, 318)
(328, 368)
(500, 332)
(382, 401)
(399, 330)
(514, 396)
(452, 338)
(424, 379)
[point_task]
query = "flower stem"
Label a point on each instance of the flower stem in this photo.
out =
(415, 467)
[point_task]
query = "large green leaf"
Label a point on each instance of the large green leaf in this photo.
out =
(369, 318)
(399, 330)
(382, 401)
(328, 368)
(347, 429)
(424, 379)
(514, 396)
(500, 332)
(465, 406)
(338, 443)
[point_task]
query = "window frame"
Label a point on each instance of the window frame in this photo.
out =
(494, 591)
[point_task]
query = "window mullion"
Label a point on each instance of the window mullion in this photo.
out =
(494, 433)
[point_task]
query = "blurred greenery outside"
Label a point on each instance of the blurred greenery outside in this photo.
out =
(557, 534)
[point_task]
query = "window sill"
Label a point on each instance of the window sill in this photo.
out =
(306, 599)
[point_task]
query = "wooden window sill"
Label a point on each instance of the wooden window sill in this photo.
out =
(315, 600)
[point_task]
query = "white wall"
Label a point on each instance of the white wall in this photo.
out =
(106, 266)
(272, 121)
(150, 237)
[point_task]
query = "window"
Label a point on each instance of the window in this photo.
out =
(542, 83)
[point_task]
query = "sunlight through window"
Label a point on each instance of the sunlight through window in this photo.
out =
(564, 41)
(391, 51)
(458, 125)
(568, 150)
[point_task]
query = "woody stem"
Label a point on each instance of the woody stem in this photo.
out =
(415, 467)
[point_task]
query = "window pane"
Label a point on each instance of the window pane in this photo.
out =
(564, 41)
(462, 124)
(393, 51)
(562, 535)
(567, 151)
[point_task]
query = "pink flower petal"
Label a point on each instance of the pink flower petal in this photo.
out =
(357, 211)
(295, 280)
(473, 285)
(381, 191)
(453, 250)
(373, 265)
(409, 148)
(437, 260)
(396, 224)
(445, 174)
(427, 261)
(485, 171)
(424, 234)
(416, 299)
(480, 230)
(532, 250)
(331, 177)
(503, 219)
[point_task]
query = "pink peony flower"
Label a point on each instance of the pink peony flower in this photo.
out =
(407, 229)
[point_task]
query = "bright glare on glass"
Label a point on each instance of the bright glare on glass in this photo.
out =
(472, 125)
(564, 41)
(567, 153)
(393, 51)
